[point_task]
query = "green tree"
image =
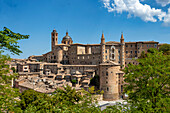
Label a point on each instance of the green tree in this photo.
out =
(65, 100)
(143, 54)
(148, 83)
(28, 97)
(152, 50)
(8, 95)
(165, 48)
(9, 40)
(67, 95)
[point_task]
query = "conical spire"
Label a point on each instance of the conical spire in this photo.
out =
(122, 36)
(102, 36)
(102, 39)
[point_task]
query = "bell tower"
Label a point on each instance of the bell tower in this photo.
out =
(54, 39)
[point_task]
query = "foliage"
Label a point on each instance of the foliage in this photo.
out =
(118, 108)
(9, 40)
(28, 97)
(92, 90)
(165, 48)
(143, 54)
(152, 50)
(148, 83)
(102, 92)
(73, 81)
(8, 95)
(13, 69)
(63, 100)
(95, 81)
(68, 95)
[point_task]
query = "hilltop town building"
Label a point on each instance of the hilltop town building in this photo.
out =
(81, 62)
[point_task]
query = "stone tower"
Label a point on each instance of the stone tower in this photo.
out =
(109, 80)
(122, 51)
(102, 48)
(54, 39)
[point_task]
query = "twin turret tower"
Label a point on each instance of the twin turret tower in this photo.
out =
(103, 58)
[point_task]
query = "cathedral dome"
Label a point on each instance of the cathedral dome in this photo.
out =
(67, 39)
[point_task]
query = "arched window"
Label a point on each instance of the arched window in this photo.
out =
(112, 53)
(113, 56)
(113, 50)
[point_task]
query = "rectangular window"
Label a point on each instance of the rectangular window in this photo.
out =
(131, 45)
(107, 89)
(126, 52)
(106, 73)
(121, 88)
(126, 45)
(135, 51)
(105, 51)
(131, 52)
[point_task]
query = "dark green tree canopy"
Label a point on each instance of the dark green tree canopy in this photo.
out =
(165, 48)
(152, 50)
(148, 83)
(9, 41)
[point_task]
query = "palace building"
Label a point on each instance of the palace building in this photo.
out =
(68, 60)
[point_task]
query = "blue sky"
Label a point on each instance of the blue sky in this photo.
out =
(85, 20)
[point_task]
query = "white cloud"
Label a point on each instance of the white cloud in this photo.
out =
(167, 18)
(137, 9)
(163, 2)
